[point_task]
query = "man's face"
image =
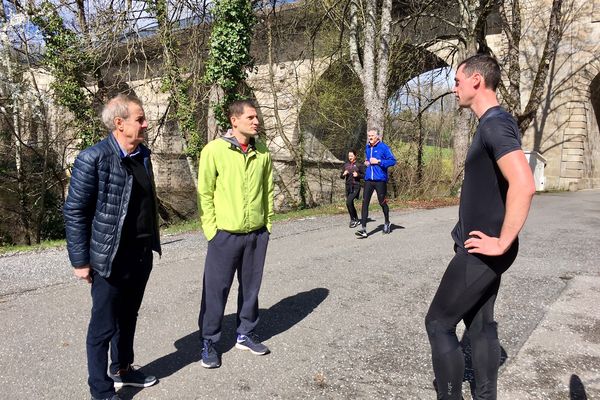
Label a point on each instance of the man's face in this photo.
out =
(465, 87)
(130, 131)
(372, 137)
(246, 123)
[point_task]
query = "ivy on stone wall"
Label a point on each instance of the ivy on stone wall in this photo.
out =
(173, 82)
(229, 55)
(69, 65)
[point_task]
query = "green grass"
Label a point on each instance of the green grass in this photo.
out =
(194, 225)
(47, 244)
(182, 227)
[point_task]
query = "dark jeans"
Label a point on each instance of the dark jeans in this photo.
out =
(467, 292)
(352, 193)
(381, 188)
(227, 254)
(116, 301)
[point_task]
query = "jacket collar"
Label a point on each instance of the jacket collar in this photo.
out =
(236, 145)
(143, 150)
(375, 145)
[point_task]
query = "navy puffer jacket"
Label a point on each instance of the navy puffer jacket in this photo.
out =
(97, 204)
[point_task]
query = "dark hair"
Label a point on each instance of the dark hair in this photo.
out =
(236, 108)
(484, 64)
(353, 151)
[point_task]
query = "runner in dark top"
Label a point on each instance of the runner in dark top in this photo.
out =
(495, 198)
(352, 172)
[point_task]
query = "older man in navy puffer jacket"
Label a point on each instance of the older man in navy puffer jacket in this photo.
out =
(111, 222)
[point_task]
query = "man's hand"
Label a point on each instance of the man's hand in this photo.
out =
(367, 163)
(345, 172)
(373, 160)
(355, 174)
(83, 272)
(481, 243)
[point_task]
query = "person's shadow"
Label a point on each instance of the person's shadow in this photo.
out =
(273, 321)
(576, 389)
(379, 228)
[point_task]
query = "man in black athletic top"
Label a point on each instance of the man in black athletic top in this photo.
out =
(495, 197)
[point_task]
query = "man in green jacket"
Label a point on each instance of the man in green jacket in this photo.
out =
(235, 200)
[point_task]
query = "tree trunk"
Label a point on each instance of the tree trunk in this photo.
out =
(548, 54)
(372, 69)
(215, 96)
(296, 151)
(177, 94)
(462, 128)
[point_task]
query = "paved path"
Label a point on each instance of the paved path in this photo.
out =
(343, 317)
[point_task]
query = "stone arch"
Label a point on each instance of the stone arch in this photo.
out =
(408, 62)
(591, 150)
(331, 118)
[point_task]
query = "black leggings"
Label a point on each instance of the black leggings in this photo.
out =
(381, 188)
(352, 193)
(467, 292)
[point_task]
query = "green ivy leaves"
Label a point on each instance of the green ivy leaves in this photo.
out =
(229, 54)
(69, 65)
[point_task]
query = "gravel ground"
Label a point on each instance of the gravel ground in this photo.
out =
(343, 317)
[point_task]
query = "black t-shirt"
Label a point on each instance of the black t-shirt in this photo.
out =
(483, 193)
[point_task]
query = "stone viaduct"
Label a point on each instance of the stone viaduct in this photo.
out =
(565, 132)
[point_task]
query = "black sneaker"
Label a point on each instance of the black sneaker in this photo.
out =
(354, 224)
(113, 397)
(361, 233)
(210, 357)
(387, 228)
(252, 343)
(132, 377)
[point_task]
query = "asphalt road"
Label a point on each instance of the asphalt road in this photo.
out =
(342, 316)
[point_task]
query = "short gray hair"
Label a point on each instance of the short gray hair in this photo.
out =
(118, 106)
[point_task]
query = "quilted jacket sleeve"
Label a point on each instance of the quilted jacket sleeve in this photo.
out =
(79, 208)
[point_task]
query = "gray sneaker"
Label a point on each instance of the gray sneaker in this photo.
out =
(387, 228)
(210, 357)
(132, 377)
(252, 343)
(113, 397)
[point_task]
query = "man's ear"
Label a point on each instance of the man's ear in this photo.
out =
(233, 121)
(118, 121)
(477, 80)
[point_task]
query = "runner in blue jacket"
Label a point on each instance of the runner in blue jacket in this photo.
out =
(378, 158)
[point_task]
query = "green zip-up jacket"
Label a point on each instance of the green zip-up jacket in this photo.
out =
(235, 190)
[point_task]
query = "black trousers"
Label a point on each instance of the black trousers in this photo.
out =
(467, 292)
(227, 254)
(381, 188)
(115, 304)
(352, 193)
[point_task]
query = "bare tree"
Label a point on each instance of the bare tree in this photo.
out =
(512, 21)
(370, 31)
(32, 181)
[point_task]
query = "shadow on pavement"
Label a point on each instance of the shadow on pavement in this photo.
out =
(277, 319)
(273, 321)
(576, 389)
(379, 228)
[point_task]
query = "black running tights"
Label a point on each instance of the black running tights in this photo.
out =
(381, 188)
(352, 193)
(467, 292)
